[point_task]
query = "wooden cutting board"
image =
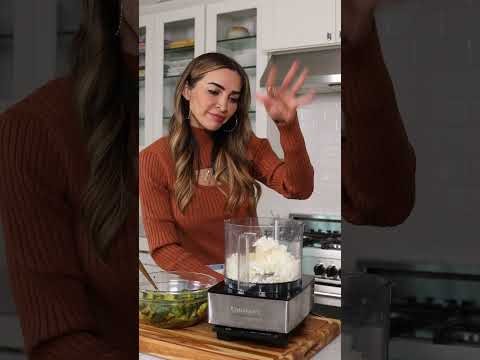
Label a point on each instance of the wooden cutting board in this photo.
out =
(200, 342)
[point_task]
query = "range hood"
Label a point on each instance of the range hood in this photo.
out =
(324, 69)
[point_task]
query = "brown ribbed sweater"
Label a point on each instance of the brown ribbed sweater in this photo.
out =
(191, 240)
(378, 162)
(71, 304)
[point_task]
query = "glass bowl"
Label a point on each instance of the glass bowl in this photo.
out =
(180, 301)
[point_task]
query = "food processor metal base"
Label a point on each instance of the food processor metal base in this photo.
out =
(264, 337)
(258, 318)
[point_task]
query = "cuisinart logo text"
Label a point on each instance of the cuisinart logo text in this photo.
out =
(245, 311)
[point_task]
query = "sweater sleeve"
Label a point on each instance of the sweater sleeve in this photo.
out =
(293, 177)
(47, 282)
(163, 239)
(378, 162)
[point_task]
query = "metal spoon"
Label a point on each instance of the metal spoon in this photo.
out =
(147, 275)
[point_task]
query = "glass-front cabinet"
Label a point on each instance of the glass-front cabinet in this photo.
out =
(142, 39)
(232, 29)
(169, 40)
(147, 75)
(141, 85)
(182, 38)
(178, 52)
(176, 36)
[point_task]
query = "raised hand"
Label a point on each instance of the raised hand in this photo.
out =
(282, 103)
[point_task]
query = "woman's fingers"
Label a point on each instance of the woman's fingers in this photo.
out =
(271, 77)
(306, 99)
(301, 79)
(265, 99)
(290, 75)
(274, 107)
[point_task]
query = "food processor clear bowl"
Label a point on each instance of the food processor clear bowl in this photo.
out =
(263, 256)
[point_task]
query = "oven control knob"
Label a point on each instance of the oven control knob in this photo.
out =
(332, 271)
(319, 269)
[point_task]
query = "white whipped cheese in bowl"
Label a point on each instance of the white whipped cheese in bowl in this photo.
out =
(269, 263)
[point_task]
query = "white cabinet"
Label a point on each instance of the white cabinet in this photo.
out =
(146, 77)
(244, 46)
(169, 41)
(173, 37)
(300, 24)
(338, 20)
(181, 38)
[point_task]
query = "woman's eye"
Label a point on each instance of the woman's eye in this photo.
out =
(213, 92)
(234, 100)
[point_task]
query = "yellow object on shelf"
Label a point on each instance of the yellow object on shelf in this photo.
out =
(181, 43)
(237, 31)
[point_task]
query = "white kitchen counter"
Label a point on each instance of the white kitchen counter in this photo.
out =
(330, 352)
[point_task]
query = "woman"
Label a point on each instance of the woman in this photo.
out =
(68, 196)
(206, 169)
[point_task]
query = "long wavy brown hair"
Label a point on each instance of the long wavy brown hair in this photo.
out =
(231, 166)
(105, 106)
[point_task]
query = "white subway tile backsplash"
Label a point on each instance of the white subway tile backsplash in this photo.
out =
(320, 124)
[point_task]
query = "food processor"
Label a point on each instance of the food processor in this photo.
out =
(264, 296)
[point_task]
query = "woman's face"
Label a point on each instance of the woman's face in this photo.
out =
(214, 99)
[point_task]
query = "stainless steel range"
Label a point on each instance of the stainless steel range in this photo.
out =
(322, 258)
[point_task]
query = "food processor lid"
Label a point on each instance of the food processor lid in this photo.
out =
(261, 221)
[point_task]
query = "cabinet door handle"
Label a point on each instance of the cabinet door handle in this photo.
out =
(321, 293)
(329, 36)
